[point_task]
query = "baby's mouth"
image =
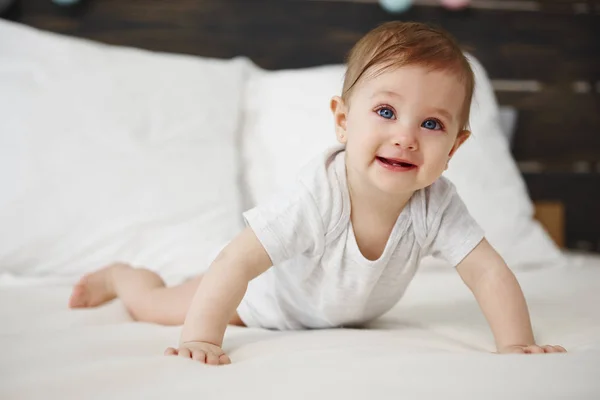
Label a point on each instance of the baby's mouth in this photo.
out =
(396, 163)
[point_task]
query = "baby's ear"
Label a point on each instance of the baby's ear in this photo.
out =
(460, 139)
(340, 111)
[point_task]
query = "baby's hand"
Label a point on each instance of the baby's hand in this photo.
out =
(531, 349)
(200, 351)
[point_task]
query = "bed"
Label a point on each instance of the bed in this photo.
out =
(106, 153)
(434, 344)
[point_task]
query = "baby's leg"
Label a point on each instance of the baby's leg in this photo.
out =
(142, 291)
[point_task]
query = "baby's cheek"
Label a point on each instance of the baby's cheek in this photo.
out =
(363, 142)
(435, 168)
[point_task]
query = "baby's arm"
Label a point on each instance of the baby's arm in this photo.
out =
(220, 292)
(501, 300)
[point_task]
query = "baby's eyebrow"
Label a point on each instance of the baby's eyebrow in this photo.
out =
(387, 93)
(444, 113)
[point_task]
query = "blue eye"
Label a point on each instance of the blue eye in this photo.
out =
(386, 113)
(432, 124)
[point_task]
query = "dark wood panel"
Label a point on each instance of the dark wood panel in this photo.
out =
(289, 34)
(580, 194)
(556, 126)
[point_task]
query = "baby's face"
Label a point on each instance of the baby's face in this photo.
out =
(401, 127)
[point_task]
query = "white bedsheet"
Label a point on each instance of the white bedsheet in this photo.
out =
(435, 344)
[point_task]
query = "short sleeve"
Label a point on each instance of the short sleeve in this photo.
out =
(454, 232)
(288, 225)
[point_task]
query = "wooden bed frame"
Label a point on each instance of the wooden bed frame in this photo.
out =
(543, 58)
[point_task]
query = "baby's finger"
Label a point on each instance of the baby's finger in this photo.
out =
(185, 353)
(549, 349)
(560, 349)
(170, 351)
(534, 349)
(224, 359)
(199, 355)
(212, 358)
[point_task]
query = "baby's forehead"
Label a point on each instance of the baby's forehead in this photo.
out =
(416, 81)
(393, 73)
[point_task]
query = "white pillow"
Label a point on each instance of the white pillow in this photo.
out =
(508, 121)
(287, 122)
(110, 153)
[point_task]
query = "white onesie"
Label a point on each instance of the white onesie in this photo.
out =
(319, 277)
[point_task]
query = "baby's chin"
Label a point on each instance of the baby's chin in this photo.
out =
(402, 190)
(398, 189)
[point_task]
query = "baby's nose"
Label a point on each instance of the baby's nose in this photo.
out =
(406, 139)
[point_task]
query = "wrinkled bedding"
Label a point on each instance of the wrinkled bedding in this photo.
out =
(434, 344)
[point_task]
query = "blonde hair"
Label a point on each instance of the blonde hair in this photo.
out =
(396, 44)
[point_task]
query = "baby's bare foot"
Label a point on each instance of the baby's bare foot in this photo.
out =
(95, 289)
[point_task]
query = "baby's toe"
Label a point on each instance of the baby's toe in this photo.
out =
(199, 355)
(78, 296)
(170, 351)
(185, 353)
(212, 359)
(224, 359)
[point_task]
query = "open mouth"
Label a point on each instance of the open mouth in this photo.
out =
(397, 164)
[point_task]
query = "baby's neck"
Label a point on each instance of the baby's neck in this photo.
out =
(371, 201)
(373, 216)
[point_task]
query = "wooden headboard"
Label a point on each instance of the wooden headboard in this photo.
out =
(543, 58)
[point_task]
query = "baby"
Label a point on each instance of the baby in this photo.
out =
(340, 245)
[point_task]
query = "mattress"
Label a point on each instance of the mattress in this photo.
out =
(434, 344)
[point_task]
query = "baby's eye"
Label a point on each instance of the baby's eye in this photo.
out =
(432, 124)
(386, 113)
